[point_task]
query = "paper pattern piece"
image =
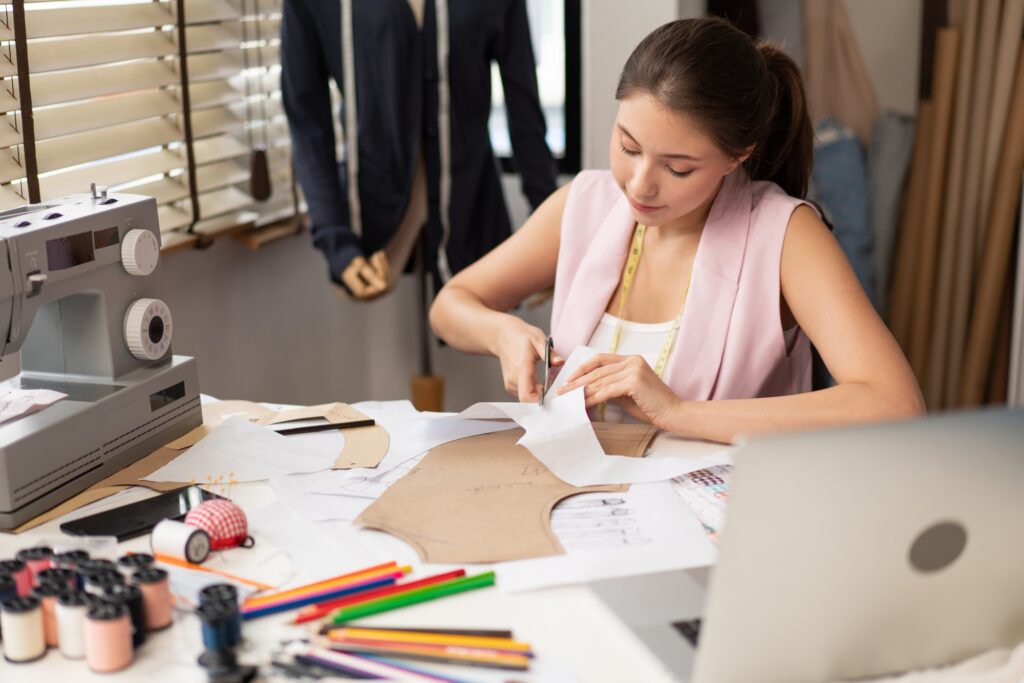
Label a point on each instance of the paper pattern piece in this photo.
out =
(559, 434)
(15, 403)
(363, 446)
(484, 499)
(643, 530)
(237, 451)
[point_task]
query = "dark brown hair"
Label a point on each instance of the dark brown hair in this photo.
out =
(740, 93)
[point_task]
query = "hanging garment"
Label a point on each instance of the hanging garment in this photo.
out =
(730, 342)
(405, 90)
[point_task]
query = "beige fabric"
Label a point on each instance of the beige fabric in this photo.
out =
(836, 78)
(485, 499)
(1000, 665)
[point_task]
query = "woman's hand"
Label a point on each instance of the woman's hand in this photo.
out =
(631, 381)
(519, 347)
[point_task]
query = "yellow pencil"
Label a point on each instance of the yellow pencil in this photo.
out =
(430, 639)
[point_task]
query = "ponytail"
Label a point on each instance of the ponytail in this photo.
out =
(742, 94)
(785, 154)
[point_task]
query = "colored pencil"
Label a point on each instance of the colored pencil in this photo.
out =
(442, 655)
(302, 601)
(322, 609)
(199, 568)
(429, 639)
(482, 632)
(365, 667)
(322, 594)
(413, 597)
(326, 583)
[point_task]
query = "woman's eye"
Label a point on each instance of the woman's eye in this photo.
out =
(629, 152)
(679, 174)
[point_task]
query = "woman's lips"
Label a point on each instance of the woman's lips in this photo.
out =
(643, 208)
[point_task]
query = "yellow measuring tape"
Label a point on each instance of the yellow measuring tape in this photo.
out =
(628, 275)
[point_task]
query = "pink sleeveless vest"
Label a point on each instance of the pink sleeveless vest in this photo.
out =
(730, 342)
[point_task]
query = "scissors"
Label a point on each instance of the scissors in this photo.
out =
(549, 346)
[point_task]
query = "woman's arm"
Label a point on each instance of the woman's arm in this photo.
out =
(470, 311)
(874, 380)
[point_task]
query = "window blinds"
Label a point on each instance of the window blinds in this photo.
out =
(108, 100)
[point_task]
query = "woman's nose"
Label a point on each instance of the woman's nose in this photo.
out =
(642, 184)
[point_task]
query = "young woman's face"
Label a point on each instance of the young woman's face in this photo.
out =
(662, 162)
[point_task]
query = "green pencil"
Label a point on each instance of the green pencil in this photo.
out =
(464, 583)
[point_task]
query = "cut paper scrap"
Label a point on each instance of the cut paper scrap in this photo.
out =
(237, 451)
(559, 434)
(484, 499)
(15, 402)
(215, 412)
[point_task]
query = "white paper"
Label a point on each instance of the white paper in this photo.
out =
(559, 434)
(295, 493)
(237, 451)
(605, 535)
(366, 484)
(15, 403)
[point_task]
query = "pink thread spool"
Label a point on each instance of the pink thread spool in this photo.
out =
(156, 597)
(36, 559)
(108, 638)
(18, 571)
(47, 594)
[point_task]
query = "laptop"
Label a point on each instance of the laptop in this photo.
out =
(850, 553)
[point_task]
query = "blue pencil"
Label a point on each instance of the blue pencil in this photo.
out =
(309, 600)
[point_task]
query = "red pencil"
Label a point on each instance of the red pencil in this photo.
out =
(320, 610)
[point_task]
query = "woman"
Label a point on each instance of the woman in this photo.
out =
(693, 265)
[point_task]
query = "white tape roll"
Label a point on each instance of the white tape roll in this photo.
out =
(180, 541)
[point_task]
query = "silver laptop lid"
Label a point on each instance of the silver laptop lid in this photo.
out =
(861, 551)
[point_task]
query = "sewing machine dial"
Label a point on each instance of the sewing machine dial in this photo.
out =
(140, 252)
(147, 329)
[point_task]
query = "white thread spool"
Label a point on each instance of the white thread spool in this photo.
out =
(180, 541)
(71, 609)
(21, 620)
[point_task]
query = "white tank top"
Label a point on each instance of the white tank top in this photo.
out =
(641, 339)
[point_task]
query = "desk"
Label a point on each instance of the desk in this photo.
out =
(573, 634)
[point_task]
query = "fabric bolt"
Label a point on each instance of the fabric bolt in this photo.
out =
(888, 162)
(410, 91)
(730, 342)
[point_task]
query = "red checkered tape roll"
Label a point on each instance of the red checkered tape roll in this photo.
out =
(224, 521)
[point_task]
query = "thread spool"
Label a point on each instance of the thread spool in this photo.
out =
(36, 559)
(129, 564)
(156, 597)
(66, 579)
(47, 594)
(21, 620)
(227, 594)
(92, 566)
(97, 583)
(70, 560)
(108, 637)
(8, 589)
(130, 597)
(180, 541)
(71, 609)
(18, 571)
(216, 622)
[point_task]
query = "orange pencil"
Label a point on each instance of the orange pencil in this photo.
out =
(322, 609)
(327, 583)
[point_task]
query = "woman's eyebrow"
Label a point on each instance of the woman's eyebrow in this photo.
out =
(687, 157)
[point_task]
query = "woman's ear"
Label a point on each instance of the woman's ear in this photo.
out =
(740, 159)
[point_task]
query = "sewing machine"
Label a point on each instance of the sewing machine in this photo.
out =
(79, 297)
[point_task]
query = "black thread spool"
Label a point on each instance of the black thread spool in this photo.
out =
(91, 566)
(62, 577)
(225, 593)
(98, 582)
(70, 560)
(129, 564)
(131, 598)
